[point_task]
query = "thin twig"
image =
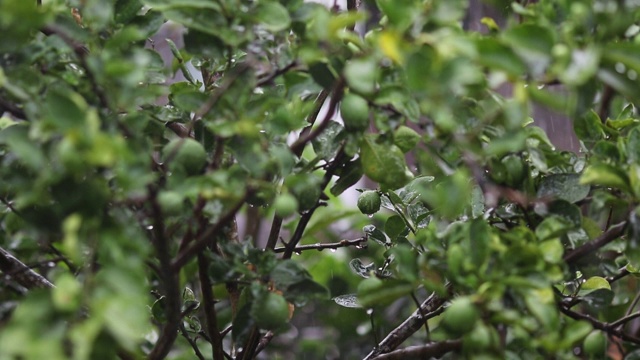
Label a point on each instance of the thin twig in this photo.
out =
(304, 139)
(269, 79)
(13, 109)
(319, 247)
(620, 322)
(191, 342)
(609, 328)
(203, 240)
(585, 249)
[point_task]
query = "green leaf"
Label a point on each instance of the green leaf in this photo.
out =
(376, 235)
(382, 162)
(273, 16)
(592, 284)
(563, 186)
(497, 56)
(479, 238)
(360, 269)
(350, 174)
(588, 128)
(395, 226)
(348, 301)
(533, 43)
(605, 175)
(328, 143)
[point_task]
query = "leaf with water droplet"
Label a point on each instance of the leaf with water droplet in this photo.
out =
(348, 301)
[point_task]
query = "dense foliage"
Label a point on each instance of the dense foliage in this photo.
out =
(123, 194)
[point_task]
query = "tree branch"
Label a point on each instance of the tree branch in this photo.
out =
(412, 324)
(359, 242)
(169, 281)
(613, 233)
(426, 351)
(609, 328)
(209, 304)
(11, 108)
(203, 240)
(21, 273)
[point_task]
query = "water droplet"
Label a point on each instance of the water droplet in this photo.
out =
(620, 67)
(298, 252)
(632, 75)
(369, 311)
(370, 216)
(334, 250)
(51, 264)
(540, 87)
(149, 227)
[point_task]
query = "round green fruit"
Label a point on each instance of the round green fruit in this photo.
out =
(271, 312)
(285, 205)
(406, 138)
(355, 112)
(186, 154)
(460, 317)
(595, 344)
(369, 202)
(170, 202)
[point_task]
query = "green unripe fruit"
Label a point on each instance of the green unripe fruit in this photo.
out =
(271, 312)
(595, 345)
(480, 338)
(355, 112)
(170, 202)
(369, 202)
(406, 138)
(305, 188)
(515, 170)
(460, 317)
(285, 205)
(185, 155)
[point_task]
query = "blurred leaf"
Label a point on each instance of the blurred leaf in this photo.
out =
(348, 301)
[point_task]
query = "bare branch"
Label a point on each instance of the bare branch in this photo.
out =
(21, 273)
(585, 249)
(606, 327)
(426, 351)
(412, 324)
(359, 242)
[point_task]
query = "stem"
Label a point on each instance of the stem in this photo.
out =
(613, 233)
(342, 243)
(210, 308)
(191, 342)
(430, 307)
(169, 281)
(23, 275)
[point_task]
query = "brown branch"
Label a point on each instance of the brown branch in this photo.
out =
(613, 233)
(266, 339)
(11, 108)
(191, 342)
(426, 351)
(609, 328)
(209, 307)
(359, 242)
(169, 281)
(269, 79)
(203, 240)
(408, 327)
(304, 139)
(21, 273)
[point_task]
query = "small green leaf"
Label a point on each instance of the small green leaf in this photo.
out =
(594, 283)
(563, 186)
(382, 162)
